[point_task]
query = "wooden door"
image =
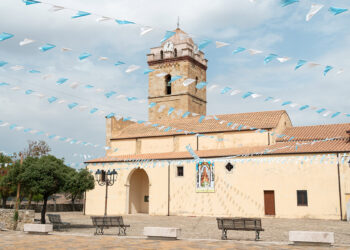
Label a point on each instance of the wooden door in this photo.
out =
(269, 202)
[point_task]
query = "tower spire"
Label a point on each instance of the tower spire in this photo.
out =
(178, 22)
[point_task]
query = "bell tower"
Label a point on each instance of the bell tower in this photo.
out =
(177, 56)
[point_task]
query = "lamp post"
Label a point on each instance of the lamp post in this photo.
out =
(106, 178)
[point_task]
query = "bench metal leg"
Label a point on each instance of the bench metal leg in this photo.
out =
(122, 231)
(257, 235)
(99, 231)
(224, 234)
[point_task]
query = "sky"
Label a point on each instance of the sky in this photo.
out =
(262, 25)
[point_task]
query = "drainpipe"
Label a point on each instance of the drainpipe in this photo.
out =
(339, 188)
(168, 188)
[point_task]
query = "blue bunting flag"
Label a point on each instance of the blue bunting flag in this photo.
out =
(61, 80)
(72, 105)
(201, 118)
(288, 2)
(168, 34)
(29, 2)
(123, 21)
(4, 84)
(93, 110)
(12, 126)
(109, 94)
(84, 55)
(119, 63)
(88, 86)
(2, 63)
(299, 64)
(201, 85)
(304, 107)
(47, 47)
(336, 11)
(286, 103)
(247, 94)
(174, 78)
(152, 104)
(5, 36)
(321, 110)
(52, 99)
(28, 92)
(327, 69)
(225, 90)
(171, 110)
(131, 98)
(147, 71)
(186, 114)
(268, 98)
(203, 44)
(110, 115)
(335, 114)
(81, 14)
(238, 50)
(269, 58)
(33, 71)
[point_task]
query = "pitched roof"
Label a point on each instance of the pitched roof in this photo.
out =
(318, 132)
(259, 120)
(339, 146)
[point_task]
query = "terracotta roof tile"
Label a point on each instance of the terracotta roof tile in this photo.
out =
(279, 148)
(318, 132)
(260, 120)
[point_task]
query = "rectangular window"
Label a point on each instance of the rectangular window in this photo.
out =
(302, 197)
(180, 171)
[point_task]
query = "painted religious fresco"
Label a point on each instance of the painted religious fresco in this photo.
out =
(205, 182)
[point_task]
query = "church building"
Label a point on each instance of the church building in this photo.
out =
(236, 165)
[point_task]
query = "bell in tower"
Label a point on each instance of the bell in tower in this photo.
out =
(177, 56)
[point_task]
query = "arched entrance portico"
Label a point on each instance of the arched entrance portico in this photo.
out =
(138, 201)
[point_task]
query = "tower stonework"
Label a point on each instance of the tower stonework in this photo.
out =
(177, 56)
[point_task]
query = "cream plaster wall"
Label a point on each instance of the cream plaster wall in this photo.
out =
(237, 193)
(157, 145)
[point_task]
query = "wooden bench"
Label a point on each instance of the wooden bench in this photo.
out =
(101, 222)
(55, 220)
(242, 224)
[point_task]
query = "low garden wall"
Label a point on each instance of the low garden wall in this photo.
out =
(7, 219)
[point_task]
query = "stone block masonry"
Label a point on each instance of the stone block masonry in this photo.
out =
(7, 219)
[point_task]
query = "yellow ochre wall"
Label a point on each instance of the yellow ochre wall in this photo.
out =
(237, 193)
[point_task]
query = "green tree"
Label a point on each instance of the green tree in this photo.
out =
(8, 183)
(77, 183)
(6, 189)
(46, 176)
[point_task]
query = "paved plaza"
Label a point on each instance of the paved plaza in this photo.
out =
(197, 232)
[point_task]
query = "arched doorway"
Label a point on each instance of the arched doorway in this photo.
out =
(138, 192)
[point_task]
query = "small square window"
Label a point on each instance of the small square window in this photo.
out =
(180, 171)
(146, 198)
(302, 197)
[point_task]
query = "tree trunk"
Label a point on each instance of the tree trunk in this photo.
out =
(4, 199)
(30, 200)
(43, 210)
(73, 208)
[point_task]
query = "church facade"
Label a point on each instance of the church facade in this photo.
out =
(239, 167)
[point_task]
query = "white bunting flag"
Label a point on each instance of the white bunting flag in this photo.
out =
(15, 88)
(254, 51)
(255, 95)
(26, 41)
(83, 107)
(56, 8)
(121, 96)
(221, 44)
(313, 11)
(17, 67)
(161, 74)
(74, 85)
(39, 95)
(103, 58)
(188, 82)
(144, 30)
(4, 124)
(235, 92)
(340, 71)
(283, 59)
(132, 68)
(45, 77)
(293, 105)
(61, 101)
(99, 90)
(312, 64)
(327, 113)
(66, 49)
(103, 19)
(277, 100)
(212, 87)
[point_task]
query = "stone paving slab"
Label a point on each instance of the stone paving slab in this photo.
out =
(12, 240)
(276, 230)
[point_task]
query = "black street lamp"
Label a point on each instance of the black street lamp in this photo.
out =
(106, 178)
